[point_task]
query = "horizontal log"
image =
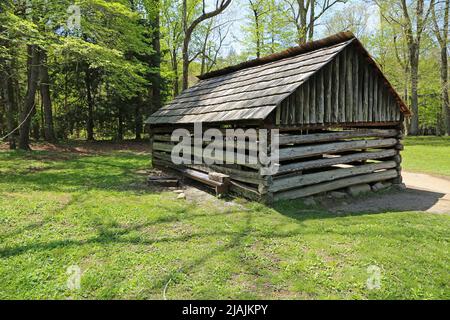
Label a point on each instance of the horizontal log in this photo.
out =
(198, 155)
(235, 174)
(291, 182)
(162, 137)
(337, 184)
(332, 136)
(244, 191)
(313, 150)
(161, 143)
(162, 146)
(314, 164)
(161, 155)
(201, 177)
(219, 186)
(251, 177)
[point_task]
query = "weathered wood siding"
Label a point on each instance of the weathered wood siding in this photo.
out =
(326, 161)
(346, 90)
(309, 163)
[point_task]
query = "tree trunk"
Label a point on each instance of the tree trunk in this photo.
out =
(29, 107)
(445, 95)
(185, 53)
(120, 124)
(90, 101)
(312, 21)
(189, 30)
(301, 28)
(186, 63)
(414, 61)
(49, 133)
(8, 100)
(176, 87)
(156, 84)
(257, 33)
(138, 121)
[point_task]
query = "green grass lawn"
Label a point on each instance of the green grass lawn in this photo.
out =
(60, 209)
(427, 154)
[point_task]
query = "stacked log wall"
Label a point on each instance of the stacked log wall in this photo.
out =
(245, 179)
(320, 162)
(310, 162)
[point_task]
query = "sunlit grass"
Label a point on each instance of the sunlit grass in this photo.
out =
(60, 209)
(427, 154)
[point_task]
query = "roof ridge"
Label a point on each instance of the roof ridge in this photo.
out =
(309, 46)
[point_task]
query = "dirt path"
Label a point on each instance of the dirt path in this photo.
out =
(421, 181)
(423, 193)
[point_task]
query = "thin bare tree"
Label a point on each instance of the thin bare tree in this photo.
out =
(189, 28)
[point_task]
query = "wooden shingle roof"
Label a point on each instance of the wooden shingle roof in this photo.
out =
(253, 89)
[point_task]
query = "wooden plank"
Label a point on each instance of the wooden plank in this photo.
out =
(292, 182)
(162, 146)
(387, 110)
(356, 105)
(342, 71)
(376, 114)
(162, 156)
(252, 177)
(361, 90)
(293, 108)
(370, 96)
(198, 155)
(349, 88)
(285, 111)
(391, 108)
(381, 102)
(308, 151)
(335, 91)
(312, 100)
(332, 136)
(320, 95)
(162, 137)
(244, 191)
(366, 94)
(306, 106)
(200, 176)
(328, 94)
(327, 162)
(300, 106)
(334, 185)
(278, 116)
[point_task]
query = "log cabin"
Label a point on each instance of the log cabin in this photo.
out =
(339, 121)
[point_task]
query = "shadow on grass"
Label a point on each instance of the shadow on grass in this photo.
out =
(74, 172)
(427, 141)
(373, 203)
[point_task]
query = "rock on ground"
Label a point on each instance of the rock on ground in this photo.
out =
(181, 196)
(309, 202)
(337, 194)
(358, 189)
